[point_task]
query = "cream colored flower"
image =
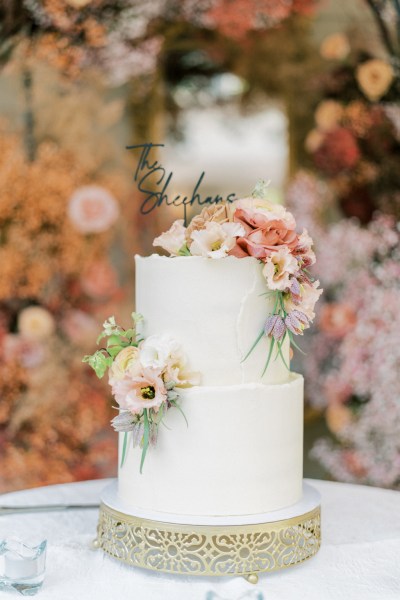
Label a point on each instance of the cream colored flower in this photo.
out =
(374, 78)
(309, 296)
(335, 47)
(215, 240)
(328, 114)
(278, 268)
(126, 362)
(216, 212)
(173, 239)
(35, 323)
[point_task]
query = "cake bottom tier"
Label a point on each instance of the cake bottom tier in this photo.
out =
(241, 454)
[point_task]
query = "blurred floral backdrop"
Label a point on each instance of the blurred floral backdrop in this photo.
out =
(316, 81)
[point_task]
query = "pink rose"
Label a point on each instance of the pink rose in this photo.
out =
(263, 235)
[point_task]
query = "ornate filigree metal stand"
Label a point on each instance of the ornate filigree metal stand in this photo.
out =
(246, 549)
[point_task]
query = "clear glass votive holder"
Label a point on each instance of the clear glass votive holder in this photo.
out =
(22, 567)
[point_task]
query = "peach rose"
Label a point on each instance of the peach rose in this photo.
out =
(126, 362)
(216, 213)
(265, 231)
(313, 140)
(328, 114)
(335, 47)
(374, 77)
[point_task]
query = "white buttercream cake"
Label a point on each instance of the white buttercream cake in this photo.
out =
(242, 450)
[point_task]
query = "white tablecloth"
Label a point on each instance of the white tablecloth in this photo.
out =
(359, 558)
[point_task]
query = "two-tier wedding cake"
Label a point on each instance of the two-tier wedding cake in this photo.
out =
(210, 415)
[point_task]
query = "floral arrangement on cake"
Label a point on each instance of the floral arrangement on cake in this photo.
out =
(255, 227)
(144, 375)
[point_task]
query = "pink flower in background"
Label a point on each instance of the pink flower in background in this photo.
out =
(30, 353)
(99, 280)
(140, 392)
(92, 209)
(80, 327)
(338, 151)
(336, 319)
(278, 268)
(36, 323)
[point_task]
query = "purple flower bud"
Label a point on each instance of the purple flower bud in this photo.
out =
(275, 327)
(296, 322)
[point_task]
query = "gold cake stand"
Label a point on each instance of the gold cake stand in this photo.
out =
(226, 549)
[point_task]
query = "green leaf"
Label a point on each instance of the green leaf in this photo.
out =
(114, 340)
(99, 362)
(146, 436)
(124, 446)
(130, 334)
(253, 346)
(115, 350)
(184, 251)
(293, 343)
(269, 356)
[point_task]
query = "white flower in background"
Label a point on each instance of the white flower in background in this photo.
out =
(35, 323)
(278, 268)
(92, 209)
(173, 239)
(216, 239)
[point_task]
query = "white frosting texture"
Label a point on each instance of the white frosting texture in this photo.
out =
(216, 309)
(241, 454)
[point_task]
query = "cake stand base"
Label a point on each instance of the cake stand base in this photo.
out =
(210, 546)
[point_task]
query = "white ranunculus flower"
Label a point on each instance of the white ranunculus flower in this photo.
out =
(173, 239)
(278, 268)
(216, 239)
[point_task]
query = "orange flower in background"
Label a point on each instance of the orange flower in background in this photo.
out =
(328, 114)
(335, 47)
(374, 77)
(336, 319)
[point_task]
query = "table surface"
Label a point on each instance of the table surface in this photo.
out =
(359, 558)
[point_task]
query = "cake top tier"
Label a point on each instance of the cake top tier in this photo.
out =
(234, 290)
